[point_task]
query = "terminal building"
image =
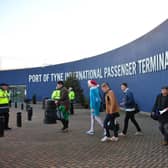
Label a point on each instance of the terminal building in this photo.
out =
(143, 64)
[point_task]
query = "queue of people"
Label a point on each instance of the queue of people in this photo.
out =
(159, 111)
(64, 99)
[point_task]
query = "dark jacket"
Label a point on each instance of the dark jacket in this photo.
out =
(64, 99)
(161, 103)
(128, 99)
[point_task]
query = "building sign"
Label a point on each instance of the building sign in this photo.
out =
(156, 63)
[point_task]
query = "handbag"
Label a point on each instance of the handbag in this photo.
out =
(137, 109)
(59, 115)
(155, 115)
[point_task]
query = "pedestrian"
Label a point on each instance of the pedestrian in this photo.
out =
(112, 112)
(95, 102)
(4, 104)
(60, 95)
(160, 110)
(129, 105)
(71, 99)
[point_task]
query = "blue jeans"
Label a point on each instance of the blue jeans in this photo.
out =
(110, 118)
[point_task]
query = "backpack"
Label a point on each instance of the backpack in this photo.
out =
(137, 109)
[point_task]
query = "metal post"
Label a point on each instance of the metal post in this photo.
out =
(29, 114)
(15, 104)
(22, 106)
(2, 126)
(43, 103)
(19, 119)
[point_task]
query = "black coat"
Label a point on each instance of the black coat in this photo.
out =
(161, 103)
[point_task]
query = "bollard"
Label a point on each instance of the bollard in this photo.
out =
(43, 104)
(19, 119)
(27, 107)
(2, 126)
(34, 99)
(29, 114)
(50, 112)
(22, 106)
(15, 104)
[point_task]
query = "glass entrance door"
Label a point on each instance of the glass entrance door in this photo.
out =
(17, 93)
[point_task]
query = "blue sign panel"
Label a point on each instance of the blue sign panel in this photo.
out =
(143, 64)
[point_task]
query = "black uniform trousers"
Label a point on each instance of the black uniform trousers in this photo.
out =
(71, 107)
(5, 114)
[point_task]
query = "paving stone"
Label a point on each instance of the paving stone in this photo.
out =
(37, 145)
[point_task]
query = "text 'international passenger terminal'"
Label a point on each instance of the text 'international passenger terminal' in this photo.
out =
(143, 64)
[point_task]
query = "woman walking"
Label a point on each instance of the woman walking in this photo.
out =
(95, 102)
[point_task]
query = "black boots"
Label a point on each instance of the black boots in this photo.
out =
(65, 125)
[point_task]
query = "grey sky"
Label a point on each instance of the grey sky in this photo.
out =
(43, 32)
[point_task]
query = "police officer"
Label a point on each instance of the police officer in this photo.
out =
(71, 99)
(56, 94)
(60, 95)
(4, 104)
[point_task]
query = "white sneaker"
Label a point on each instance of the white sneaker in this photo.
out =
(121, 134)
(104, 139)
(138, 133)
(90, 132)
(104, 133)
(114, 139)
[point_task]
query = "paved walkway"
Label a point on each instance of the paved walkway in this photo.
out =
(37, 145)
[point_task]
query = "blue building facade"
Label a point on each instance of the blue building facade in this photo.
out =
(143, 64)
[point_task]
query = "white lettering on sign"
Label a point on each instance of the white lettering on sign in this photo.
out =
(56, 77)
(35, 78)
(86, 74)
(46, 77)
(127, 69)
(158, 62)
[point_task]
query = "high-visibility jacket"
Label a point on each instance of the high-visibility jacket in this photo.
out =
(56, 95)
(4, 97)
(71, 95)
(9, 95)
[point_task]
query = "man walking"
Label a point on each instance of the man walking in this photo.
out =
(161, 108)
(129, 104)
(60, 95)
(112, 111)
(4, 104)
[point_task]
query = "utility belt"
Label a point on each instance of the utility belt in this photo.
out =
(4, 106)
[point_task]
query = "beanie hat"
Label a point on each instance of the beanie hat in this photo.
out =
(60, 83)
(93, 82)
(4, 84)
(165, 87)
